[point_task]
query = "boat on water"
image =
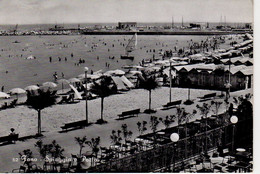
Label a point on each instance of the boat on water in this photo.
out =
(131, 46)
(16, 41)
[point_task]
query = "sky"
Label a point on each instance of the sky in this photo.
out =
(110, 11)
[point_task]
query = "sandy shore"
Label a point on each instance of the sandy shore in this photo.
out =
(25, 120)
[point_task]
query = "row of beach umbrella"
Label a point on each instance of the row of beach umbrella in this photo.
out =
(18, 91)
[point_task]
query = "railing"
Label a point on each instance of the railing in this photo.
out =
(165, 155)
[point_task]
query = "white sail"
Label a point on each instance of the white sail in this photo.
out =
(131, 46)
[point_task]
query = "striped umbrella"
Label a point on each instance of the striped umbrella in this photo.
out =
(49, 84)
(62, 82)
(4, 95)
(31, 88)
(73, 80)
(17, 91)
(82, 76)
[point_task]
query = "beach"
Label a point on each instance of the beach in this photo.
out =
(24, 120)
(96, 51)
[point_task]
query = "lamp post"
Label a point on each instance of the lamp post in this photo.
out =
(170, 72)
(228, 84)
(86, 91)
(174, 138)
(233, 120)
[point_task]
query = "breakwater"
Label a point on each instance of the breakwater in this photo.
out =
(164, 32)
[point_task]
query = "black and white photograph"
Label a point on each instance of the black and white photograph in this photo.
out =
(127, 86)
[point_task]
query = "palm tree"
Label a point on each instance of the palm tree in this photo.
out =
(165, 121)
(50, 152)
(149, 83)
(81, 142)
(93, 144)
(154, 125)
(216, 105)
(39, 101)
(116, 137)
(126, 134)
(103, 88)
(141, 127)
(26, 156)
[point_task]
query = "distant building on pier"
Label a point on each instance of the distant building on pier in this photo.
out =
(127, 25)
(194, 25)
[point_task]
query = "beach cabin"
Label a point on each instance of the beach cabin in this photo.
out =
(211, 76)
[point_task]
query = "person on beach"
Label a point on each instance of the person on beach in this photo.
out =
(55, 76)
(12, 131)
(3, 88)
(50, 59)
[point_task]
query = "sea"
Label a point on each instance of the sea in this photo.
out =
(99, 52)
(37, 27)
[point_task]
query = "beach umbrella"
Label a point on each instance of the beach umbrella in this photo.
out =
(4, 95)
(161, 62)
(138, 67)
(82, 76)
(31, 88)
(98, 72)
(94, 76)
(17, 91)
(62, 81)
(135, 72)
(119, 72)
(110, 72)
(49, 84)
(73, 80)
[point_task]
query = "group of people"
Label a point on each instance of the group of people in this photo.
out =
(59, 58)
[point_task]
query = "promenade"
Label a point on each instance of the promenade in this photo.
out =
(8, 153)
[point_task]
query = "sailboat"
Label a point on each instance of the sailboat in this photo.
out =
(130, 47)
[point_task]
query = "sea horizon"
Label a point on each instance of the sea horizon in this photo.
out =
(47, 26)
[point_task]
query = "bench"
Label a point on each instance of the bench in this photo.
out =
(9, 138)
(129, 113)
(208, 96)
(77, 124)
(171, 104)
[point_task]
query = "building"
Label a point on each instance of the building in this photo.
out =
(194, 25)
(211, 76)
(127, 25)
